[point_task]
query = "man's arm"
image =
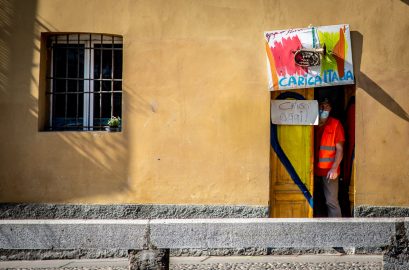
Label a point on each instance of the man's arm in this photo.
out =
(333, 172)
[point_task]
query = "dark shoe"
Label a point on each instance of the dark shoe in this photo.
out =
(340, 250)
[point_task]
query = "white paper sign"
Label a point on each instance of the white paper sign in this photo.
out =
(294, 112)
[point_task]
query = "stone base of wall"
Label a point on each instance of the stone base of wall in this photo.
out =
(380, 211)
(127, 211)
(7, 255)
(256, 252)
(140, 211)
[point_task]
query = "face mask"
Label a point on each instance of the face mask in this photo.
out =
(324, 114)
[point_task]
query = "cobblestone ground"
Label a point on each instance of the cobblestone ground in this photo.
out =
(288, 263)
(283, 266)
(70, 268)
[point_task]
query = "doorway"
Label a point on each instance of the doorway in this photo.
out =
(292, 156)
(343, 109)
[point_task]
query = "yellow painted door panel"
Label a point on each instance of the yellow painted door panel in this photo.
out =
(286, 198)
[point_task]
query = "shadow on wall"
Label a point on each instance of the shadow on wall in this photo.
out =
(368, 85)
(47, 166)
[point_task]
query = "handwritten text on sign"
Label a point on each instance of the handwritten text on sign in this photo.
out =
(294, 112)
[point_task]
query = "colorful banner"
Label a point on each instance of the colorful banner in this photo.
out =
(309, 57)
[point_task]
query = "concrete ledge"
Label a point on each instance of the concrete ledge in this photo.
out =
(198, 233)
(72, 234)
(281, 233)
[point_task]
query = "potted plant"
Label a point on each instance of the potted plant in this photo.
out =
(114, 123)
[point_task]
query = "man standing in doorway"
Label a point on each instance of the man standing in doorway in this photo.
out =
(329, 140)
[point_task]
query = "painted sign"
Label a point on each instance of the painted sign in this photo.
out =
(294, 112)
(309, 57)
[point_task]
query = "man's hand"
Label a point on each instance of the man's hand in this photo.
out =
(332, 174)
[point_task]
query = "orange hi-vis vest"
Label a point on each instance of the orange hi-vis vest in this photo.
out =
(326, 154)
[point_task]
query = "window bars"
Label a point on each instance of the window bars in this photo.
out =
(84, 80)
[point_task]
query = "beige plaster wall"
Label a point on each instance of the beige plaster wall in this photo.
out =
(195, 103)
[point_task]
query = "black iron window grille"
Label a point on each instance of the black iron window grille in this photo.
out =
(84, 81)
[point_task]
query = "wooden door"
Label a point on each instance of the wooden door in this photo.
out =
(287, 198)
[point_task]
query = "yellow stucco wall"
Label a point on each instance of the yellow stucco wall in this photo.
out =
(195, 103)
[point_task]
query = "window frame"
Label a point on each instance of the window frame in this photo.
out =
(90, 43)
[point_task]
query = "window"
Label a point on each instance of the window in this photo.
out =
(84, 80)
